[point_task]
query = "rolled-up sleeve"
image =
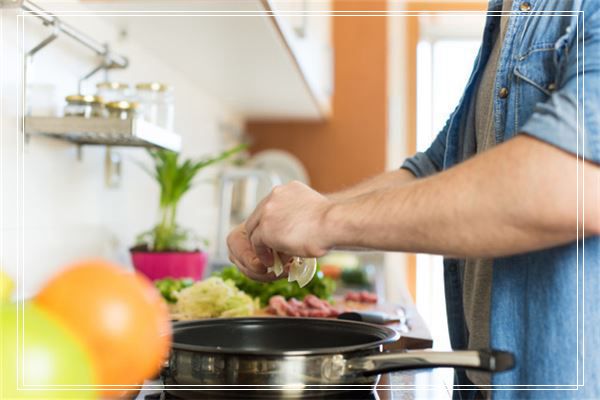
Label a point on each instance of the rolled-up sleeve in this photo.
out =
(431, 161)
(570, 118)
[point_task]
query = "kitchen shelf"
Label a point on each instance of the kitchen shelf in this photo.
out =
(104, 131)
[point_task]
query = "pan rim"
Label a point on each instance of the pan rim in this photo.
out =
(387, 334)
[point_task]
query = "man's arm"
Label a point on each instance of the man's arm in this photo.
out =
(378, 182)
(522, 196)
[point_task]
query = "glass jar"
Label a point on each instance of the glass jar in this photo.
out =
(84, 106)
(157, 103)
(113, 91)
(122, 109)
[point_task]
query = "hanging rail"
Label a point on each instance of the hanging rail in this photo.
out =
(111, 60)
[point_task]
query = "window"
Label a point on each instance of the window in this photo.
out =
(445, 56)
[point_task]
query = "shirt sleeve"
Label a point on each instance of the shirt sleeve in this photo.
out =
(431, 161)
(569, 119)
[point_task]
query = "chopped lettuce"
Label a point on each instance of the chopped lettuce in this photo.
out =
(214, 297)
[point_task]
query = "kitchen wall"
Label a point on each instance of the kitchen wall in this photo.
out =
(55, 208)
(366, 133)
(351, 145)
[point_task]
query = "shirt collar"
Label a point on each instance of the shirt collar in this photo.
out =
(495, 5)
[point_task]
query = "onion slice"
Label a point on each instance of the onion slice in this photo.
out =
(277, 267)
(302, 270)
(306, 271)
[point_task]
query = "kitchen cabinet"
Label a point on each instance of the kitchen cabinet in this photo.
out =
(306, 27)
(263, 58)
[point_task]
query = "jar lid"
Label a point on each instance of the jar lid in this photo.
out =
(122, 105)
(112, 85)
(84, 99)
(154, 86)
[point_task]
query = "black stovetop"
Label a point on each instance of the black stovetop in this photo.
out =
(257, 394)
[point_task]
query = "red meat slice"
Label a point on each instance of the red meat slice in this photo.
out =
(312, 306)
(352, 296)
(361, 297)
(278, 305)
(313, 301)
(367, 297)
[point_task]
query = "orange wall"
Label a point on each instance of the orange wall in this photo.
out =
(351, 145)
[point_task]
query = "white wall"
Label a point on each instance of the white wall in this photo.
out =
(55, 209)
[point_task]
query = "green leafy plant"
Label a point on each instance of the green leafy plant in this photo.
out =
(175, 178)
(321, 286)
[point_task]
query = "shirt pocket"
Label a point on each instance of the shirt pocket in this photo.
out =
(537, 73)
(538, 68)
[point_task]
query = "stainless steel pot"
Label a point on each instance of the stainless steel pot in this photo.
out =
(296, 356)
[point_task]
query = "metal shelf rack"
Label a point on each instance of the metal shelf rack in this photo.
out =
(104, 131)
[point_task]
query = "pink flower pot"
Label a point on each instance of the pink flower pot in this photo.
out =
(159, 265)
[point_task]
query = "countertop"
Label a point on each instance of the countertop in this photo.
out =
(406, 385)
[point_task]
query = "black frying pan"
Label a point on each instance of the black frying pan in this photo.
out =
(296, 356)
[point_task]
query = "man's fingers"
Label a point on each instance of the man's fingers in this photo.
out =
(241, 249)
(254, 219)
(285, 259)
(261, 250)
(266, 277)
(242, 254)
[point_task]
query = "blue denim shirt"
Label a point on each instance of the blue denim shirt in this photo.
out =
(545, 304)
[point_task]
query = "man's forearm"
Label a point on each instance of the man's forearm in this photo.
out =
(385, 180)
(520, 196)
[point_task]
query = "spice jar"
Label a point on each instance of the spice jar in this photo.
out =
(122, 109)
(157, 102)
(84, 106)
(113, 91)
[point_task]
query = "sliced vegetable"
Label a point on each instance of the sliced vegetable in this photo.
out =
(214, 297)
(277, 267)
(303, 270)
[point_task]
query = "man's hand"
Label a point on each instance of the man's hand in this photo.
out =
(290, 221)
(242, 254)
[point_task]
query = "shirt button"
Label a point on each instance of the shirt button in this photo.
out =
(503, 93)
(525, 6)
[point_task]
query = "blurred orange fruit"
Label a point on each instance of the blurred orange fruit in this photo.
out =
(119, 315)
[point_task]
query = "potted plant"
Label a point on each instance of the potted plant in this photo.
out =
(168, 250)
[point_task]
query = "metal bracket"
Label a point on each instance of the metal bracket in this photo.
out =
(11, 3)
(31, 53)
(112, 168)
(96, 69)
(55, 31)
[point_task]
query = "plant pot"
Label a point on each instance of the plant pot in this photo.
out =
(176, 264)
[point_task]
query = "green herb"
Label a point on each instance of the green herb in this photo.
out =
(169, 287)
(175, 179)
(320, 286)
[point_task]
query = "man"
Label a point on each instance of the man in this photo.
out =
(508, 192)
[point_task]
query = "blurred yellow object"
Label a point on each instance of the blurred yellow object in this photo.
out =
(41, 355)
(7, 286)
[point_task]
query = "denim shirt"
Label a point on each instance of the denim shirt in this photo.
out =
(544, 304)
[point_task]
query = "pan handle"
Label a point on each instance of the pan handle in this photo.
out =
(484, 360)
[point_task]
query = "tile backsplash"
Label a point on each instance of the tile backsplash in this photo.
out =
(54, 208)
